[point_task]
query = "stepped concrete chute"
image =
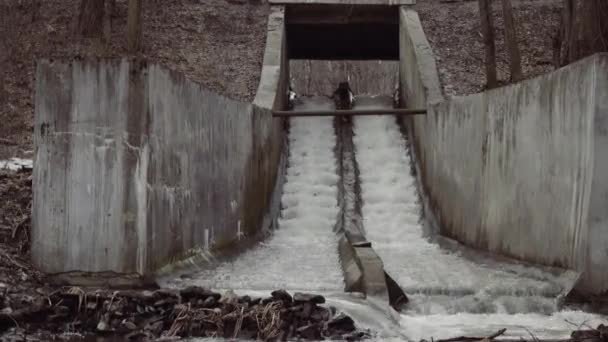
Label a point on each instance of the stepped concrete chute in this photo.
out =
(520, 170)
(137, 167)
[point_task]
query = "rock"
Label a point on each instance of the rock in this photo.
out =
(198, 293)
(145, 297)
(140, 336)
(255, 301)
(229, 297)
(162, 293)
(320, 314)
(307, 310)
(282, 295)
(245, 299)
(310, 332)
(209, 302)
(155, 328)
(341, 323)
(165, 302)
(62, 310)
(308, 297)
(356, 336)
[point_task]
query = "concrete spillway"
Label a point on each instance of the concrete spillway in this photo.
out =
(158, 170)
(302, 254)
(452, 291)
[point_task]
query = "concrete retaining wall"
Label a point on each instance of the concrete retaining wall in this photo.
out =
(137, 167)
(520, 170)
(318, 77)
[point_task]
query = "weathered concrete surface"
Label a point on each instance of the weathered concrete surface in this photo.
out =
(519, 170)
(347, 2)
(274, 81)
(316, 77)
(137, 166)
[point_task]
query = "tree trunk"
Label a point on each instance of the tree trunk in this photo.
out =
(570, 26)
(487, 28)
(134, 26)
(90, 18)
(594, 22)
(511, 40)
(558, 40)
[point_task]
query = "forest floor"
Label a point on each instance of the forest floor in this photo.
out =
(453, 30)
(217, 43)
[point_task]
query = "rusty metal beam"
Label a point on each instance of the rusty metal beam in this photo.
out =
(352, 112)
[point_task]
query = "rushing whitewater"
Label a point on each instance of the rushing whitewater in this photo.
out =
(450, 294)
(302, 254)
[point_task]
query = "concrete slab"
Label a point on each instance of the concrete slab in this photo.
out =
(346, 2)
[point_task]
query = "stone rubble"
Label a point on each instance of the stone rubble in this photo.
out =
(189, 312)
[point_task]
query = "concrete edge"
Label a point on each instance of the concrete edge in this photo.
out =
(273, 83)
(425, 58)
(275, 67)
(362, 267)
(568, 277)
(345, 2)
(199, 258)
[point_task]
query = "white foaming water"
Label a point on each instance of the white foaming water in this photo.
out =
(450, 295)
(558, 325)
(16, 164)
(302, 254)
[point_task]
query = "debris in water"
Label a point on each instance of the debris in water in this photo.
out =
(190, 312)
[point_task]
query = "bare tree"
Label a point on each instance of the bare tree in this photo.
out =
(134, 26)
(91, 18)
(583, 30)
(571, 34)
(487, 29)
(594, 27)
(511, 40)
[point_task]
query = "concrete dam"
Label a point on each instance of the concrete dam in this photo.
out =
(483, 213)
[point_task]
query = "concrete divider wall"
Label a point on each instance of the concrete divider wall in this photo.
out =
(137, 167)
(520, 170)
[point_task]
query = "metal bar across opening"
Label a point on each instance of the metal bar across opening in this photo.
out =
(351, 112)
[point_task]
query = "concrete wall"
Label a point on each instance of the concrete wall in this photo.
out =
(137, 167)
(318, 77)
(519, 170)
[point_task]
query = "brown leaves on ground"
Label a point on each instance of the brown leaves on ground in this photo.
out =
(453, 30)
(15, 210)
(217, 43)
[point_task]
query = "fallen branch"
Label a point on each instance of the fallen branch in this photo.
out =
(467, 338)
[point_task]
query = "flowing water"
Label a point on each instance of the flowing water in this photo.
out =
(451, 293)
(302, 254)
